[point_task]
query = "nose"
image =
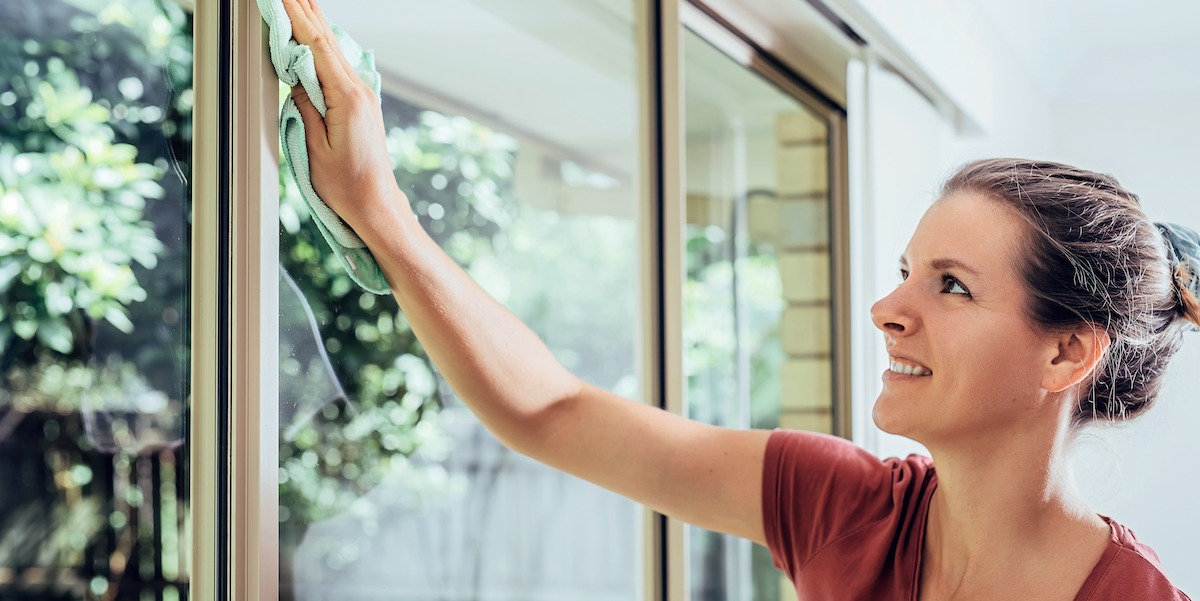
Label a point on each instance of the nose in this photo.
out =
(894, 313)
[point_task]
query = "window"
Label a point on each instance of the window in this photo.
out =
(95, 145)
(388, 486)
(758, 316)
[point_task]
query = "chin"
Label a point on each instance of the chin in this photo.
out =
(894, 417)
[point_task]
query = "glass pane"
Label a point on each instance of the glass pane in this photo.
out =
(516, 138)
(95, 138)
(757, 319)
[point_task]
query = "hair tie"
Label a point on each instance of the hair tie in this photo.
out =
(1183, 248)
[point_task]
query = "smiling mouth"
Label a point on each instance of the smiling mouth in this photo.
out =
(908, 369)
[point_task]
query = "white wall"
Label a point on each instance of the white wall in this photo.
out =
(955, 50)
(897, 140)
(1143, 474)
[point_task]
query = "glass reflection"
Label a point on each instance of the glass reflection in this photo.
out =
(389, 488)
(757, 281)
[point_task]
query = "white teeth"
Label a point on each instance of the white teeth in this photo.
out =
(911, 370)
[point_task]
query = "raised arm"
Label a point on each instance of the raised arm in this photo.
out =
(707, 476)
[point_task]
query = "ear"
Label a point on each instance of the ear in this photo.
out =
(1078, 352)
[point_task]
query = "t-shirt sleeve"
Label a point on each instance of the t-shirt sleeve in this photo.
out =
(819, 488)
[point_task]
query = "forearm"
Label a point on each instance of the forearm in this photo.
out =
(492, 360)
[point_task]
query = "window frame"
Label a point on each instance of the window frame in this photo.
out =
(234, 307)
(209, 300)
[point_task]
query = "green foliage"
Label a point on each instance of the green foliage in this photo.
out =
(76, 238)
(71, 220)
(66, 387)
(350, 449)
(711, 336)
(459, 175)
(95, 128)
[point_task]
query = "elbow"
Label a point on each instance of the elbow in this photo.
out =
(545, 429)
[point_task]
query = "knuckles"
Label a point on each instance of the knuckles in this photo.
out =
(321, 42)
(359, 99)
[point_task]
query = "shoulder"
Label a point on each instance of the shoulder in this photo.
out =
(840, 521)
(821, 456)
(830, 481)
(1129, 570)
(824, 446)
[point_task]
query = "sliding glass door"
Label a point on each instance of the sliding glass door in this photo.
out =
(519, 136)
(515, 130)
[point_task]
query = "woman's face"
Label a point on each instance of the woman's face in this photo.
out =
(957, 317)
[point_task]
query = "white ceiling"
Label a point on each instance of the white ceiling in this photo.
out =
(561, 73)
(1123, 50)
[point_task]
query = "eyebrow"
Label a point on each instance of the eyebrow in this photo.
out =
(945, 263)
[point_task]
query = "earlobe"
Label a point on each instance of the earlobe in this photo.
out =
(1078, 353)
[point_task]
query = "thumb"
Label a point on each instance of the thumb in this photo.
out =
(314, 124)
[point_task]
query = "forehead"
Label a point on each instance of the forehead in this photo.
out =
(968, 228)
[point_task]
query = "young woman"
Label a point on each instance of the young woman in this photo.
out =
(1036, 298)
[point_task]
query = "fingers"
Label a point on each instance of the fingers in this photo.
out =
(314, 125)
(314, 9)
(310, 29)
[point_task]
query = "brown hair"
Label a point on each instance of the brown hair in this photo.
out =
(1093, 257)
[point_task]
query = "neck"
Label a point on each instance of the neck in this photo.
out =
(999, 499)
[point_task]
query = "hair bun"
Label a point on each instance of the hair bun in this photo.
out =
(1183, 245)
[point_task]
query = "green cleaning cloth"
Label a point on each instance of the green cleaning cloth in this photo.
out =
(294, 64)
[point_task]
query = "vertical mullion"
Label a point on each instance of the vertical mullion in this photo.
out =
(673, 239)
(660, 53)
(206, 573)
(839, 212)
(254, 306)
(862, 343)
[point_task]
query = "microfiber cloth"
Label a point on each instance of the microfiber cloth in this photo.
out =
(294, 64)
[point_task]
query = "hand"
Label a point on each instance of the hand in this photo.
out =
(347, 149)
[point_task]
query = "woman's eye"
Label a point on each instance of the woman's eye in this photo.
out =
(903, 274)
(953, 286)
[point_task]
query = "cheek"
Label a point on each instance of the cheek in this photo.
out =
(996, 365)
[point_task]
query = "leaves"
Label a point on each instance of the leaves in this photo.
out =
(73, 222)
(55, 334)
(460, 173)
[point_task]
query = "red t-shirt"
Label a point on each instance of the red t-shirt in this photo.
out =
(844, 525)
